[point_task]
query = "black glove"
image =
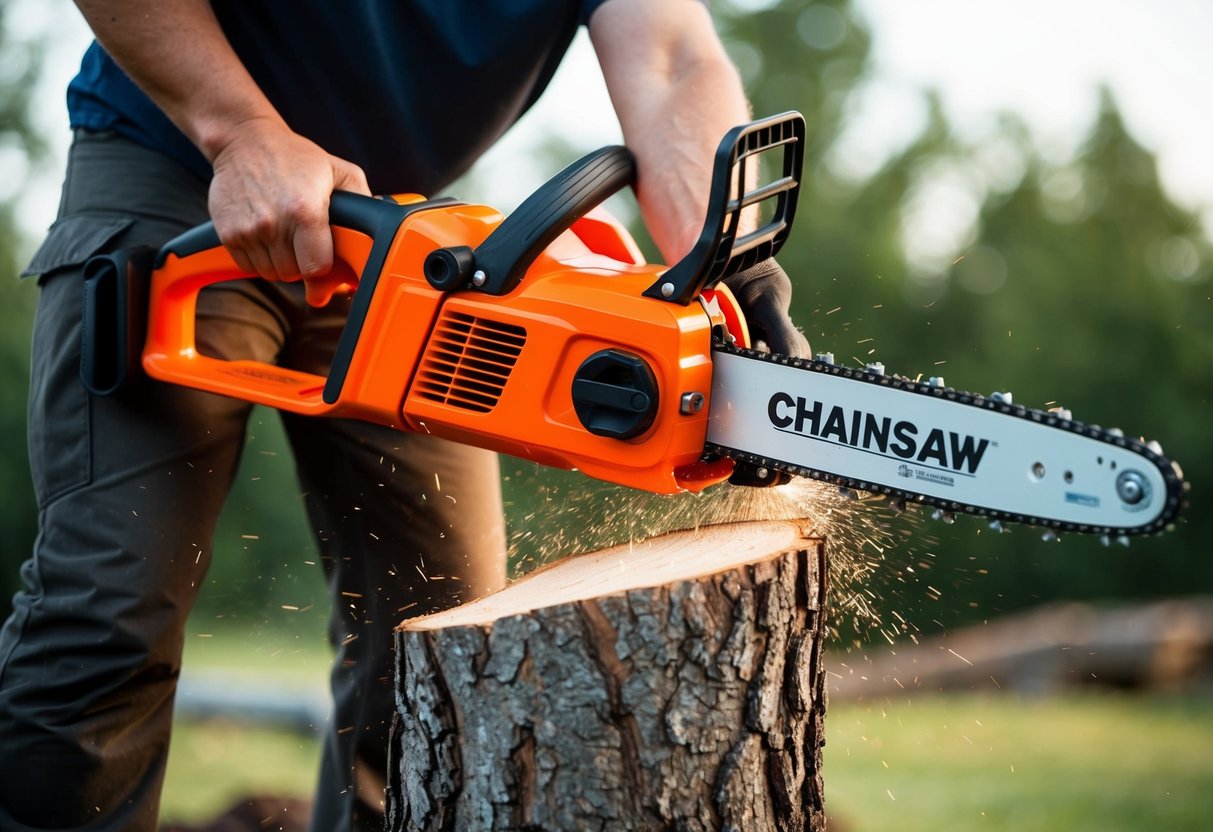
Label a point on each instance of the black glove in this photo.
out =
(764, 293)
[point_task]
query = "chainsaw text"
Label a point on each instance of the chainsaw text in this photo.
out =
(879, 434)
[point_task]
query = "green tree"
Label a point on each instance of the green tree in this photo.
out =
(21, 150)
(1095, 295)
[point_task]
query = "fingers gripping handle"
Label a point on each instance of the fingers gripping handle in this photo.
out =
(366, 214)
(363, 229)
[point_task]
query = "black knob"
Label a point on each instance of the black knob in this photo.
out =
(448, 269)
(615, 394)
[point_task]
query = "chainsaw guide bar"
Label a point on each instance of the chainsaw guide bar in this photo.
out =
(963, 452)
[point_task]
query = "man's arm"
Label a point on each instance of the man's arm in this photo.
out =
(270, 193)
(676, 94)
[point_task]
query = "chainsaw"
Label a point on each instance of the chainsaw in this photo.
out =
(546, 336)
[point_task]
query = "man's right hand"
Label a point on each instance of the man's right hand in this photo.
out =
(269, 201)
(270, 194)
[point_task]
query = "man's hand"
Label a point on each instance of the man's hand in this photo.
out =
(764, 293)
(269, 201)
(270, 194)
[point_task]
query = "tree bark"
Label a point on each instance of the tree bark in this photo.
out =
(670, 684)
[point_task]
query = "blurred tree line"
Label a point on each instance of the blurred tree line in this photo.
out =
(1075, 282)
(21, 149)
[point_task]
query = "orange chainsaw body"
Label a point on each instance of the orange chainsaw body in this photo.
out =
(543, 335)
(492, 371)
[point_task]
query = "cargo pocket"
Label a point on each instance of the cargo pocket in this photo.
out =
(71, 241)
(59, 406)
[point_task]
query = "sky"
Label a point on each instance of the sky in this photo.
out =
(1042, 59)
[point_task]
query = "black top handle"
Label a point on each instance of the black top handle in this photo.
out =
(499, 263)
(722, 250)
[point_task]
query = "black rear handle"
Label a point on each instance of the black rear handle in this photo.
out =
(373, 216)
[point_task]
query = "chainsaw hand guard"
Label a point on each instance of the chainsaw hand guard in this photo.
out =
(722, 249)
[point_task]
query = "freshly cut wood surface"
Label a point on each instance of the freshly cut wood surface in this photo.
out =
(677, 556)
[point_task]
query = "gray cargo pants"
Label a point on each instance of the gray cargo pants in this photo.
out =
(129, 488)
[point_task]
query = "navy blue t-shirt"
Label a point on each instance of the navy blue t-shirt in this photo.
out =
(412, 91)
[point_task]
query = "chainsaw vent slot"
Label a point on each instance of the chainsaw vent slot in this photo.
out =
(468, 361)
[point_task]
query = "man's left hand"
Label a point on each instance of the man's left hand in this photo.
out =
(764, 293)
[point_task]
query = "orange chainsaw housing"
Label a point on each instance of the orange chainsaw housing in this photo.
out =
(543, 335)
(494, 371)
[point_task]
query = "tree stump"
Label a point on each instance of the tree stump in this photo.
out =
(671, 684)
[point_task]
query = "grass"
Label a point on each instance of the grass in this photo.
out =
(213, 764)
(1092, 762)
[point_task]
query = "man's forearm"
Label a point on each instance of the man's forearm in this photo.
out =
(177, 53)
(676, 94)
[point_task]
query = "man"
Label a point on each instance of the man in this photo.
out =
(253, 114)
